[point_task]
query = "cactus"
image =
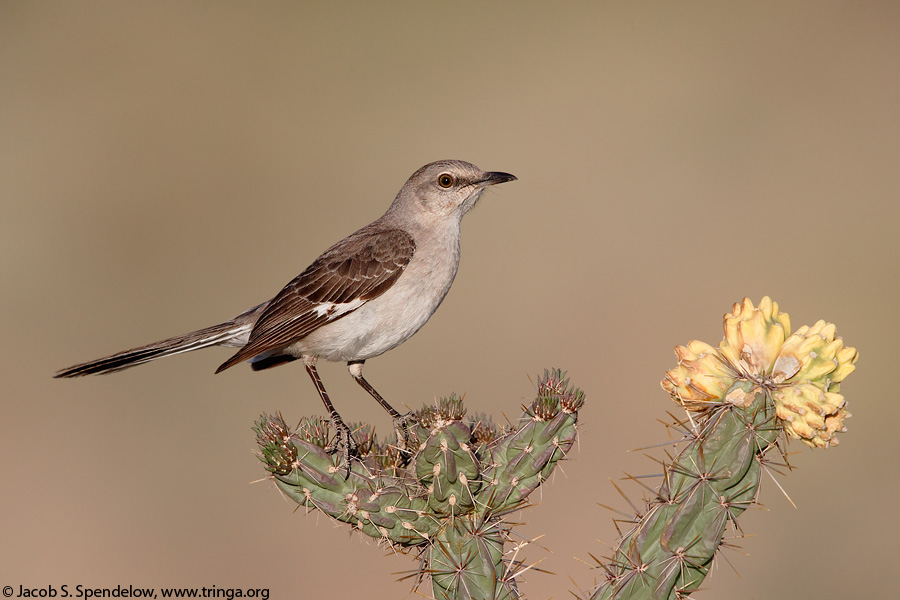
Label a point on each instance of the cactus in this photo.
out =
(449, 499)
(449, 502)
(740, 397)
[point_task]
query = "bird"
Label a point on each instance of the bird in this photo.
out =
(363, 296)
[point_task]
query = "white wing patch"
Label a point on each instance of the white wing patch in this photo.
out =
(334, 310)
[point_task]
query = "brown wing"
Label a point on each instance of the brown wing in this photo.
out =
(349, 274)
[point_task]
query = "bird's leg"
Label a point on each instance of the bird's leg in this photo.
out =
(344, 438)
(402, 423)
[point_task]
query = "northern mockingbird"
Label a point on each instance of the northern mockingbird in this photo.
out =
(362, 297)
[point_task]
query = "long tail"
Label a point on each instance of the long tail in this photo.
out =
(229, 333)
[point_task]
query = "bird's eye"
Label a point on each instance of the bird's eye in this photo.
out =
(445, 180)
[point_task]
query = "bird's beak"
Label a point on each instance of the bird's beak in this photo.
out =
(495, 177)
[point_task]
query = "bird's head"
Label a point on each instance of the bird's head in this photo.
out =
(447, 187)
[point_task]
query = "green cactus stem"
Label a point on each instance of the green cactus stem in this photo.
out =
(710, 483)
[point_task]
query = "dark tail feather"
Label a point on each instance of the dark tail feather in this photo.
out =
(202, 338)
(271, 361)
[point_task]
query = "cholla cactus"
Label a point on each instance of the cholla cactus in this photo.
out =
(449, 502)
(740, 396)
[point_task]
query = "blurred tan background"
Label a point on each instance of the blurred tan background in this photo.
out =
(165, 165)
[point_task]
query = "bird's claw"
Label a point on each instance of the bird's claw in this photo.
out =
(343, 442)
(406, 437)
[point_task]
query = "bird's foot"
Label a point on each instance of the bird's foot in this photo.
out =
(406, 437)
(344, 443)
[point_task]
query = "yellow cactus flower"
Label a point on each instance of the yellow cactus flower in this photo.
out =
(801, 372)
(814, 354)
(753, 337)
(810, 414)
(701, 376)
